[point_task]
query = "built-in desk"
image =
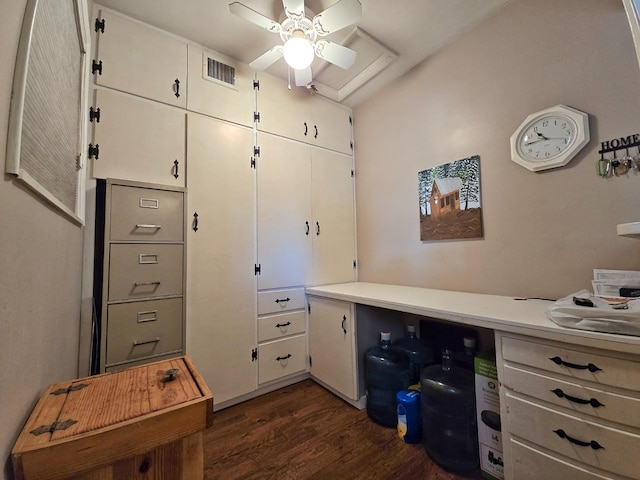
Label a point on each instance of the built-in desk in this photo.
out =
(561, 389)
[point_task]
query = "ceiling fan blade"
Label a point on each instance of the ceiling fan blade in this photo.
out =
(339, 15)
(294, 9)
(247, 13)
(303, 77)
(267, 59)
(332, 52)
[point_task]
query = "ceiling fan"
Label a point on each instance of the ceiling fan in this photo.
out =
(300, 36)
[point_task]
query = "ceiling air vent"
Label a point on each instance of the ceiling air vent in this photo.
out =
(219, 72)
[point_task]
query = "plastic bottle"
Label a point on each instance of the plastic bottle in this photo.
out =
(466, 358)
(409, 415)
(449, 424)
(386, 373)
(418, 354)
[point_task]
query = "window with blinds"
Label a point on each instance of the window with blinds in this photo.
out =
(47, 121)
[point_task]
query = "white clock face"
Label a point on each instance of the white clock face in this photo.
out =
(547, 138)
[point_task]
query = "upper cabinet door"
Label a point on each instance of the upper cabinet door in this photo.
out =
(332, 125)
(141, 60)
(138, 140)
(219, 87)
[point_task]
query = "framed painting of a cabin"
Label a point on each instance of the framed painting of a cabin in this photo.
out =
(449, 198)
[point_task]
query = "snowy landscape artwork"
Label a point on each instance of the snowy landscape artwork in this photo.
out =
(449, 197)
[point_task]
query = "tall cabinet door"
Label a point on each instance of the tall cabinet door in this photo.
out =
(333, 217)
(221, 308)
(138, 140)
(141, 60)
(284, 213)
(332, 345)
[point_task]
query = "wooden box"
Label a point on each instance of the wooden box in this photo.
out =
(142, 422)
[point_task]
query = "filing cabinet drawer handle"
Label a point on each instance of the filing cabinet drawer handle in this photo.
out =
(155, 340)
(286, 357)
(148, 225)
(147, 259)
(282, 300)
(591, 367)
(280, 325)
(593, 444)
(145, 284)
(149, 316)
(594, 402)
(149, 203)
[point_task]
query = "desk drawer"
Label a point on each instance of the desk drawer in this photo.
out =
(145, 214)
(271, 327)
(616, 451)
(591, 401)
(281, 358)
(278, 301)
(141, 329)
(581, 365)
(145, 270)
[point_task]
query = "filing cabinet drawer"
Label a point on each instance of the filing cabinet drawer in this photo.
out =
(141, 329)
(598, 445)
(145, 270)
(281, 358)
(580, 365)
(271, 327)
(145, 214)
(580, 398)
(277, 301)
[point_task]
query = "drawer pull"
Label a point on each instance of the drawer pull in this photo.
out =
(148, 225)
(283, 300)
(149, 203)
(149, 316)
(591, 367)
(147, 259)
(280, 325)
(592, 401)
(278, 359)
(155, 340)
(593, 444)
(344, 319)
(145, 284)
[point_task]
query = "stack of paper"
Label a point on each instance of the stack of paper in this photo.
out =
(607, 283)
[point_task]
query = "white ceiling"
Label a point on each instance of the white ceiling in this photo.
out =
(412, 30)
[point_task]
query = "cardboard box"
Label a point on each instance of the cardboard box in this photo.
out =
(488, 411)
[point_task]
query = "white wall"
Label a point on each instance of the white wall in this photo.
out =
(544, 232)
(40, 277)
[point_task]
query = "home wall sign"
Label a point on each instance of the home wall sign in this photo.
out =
(449, 201)
(620, 163)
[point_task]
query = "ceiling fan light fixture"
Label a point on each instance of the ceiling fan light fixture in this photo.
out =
(298, 51)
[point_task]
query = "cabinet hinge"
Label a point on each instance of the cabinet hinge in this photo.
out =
(350, 120)
(94, 151)
(72, 388)
(256, 151)
(351, 145)
(53, 427)
(355, 264)
(96, 67)
(99, 25)
(257, 269)
(94, 115)
(310, 361)
(253, 162)
(254, 354)
(256, 117)
(308, 307)
(256, 84)
(352, 173)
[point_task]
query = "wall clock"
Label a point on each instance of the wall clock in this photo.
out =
(550, 138)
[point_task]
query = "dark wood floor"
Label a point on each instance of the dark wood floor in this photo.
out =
(305, 432)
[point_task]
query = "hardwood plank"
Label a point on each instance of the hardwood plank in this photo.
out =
(305, 432)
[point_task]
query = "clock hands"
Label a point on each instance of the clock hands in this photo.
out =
(541, 138)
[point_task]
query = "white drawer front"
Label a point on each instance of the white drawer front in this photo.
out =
(145, 270)
(531, 464)
(277, 301)
(615, 451)
(601, 404)
(581, 365)
(141, 329)
(271, 327)
(281, 358)
(145, 214)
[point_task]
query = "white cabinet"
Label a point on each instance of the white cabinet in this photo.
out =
(139, 59)
(221, 308)
(332, 345)
(138, 140)
(306, 226)
(295, 114)
(568, 409)
(220, 87)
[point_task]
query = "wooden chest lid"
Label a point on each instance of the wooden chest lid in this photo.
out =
(97, 420)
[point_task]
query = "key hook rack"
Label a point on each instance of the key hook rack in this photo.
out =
(619, 165)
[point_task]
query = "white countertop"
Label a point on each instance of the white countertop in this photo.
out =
(489, 311)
